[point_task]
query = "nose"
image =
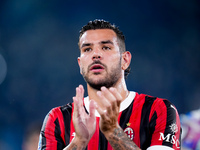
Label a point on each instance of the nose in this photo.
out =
(97, 54)
(96, 57)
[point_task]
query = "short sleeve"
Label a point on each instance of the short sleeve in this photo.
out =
(165, 125)
(50, 135)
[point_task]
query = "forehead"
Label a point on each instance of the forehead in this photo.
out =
(97, 35)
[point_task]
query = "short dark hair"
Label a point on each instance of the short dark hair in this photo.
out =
(102, 24)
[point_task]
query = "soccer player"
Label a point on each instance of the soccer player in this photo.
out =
(111, 116)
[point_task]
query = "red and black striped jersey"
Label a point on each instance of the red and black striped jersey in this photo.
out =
(149, 121)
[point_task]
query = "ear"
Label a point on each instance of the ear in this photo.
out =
(126, 59)
(79, 63)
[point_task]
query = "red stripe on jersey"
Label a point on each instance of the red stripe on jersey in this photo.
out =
(109, 147)
(119, 116)
(177, 144)
(135, 118)
(62, 125)
(72, 130)
(161, 112)
(51, 142)
(94, 142)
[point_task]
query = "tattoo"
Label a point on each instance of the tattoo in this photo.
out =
(73, 147)
(120, 141)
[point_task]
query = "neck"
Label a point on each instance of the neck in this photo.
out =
(120, 86)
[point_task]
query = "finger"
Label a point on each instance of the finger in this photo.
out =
(110, 97)
(102, 113)
(79, 94)
(105, 103)
(107, 94)
(117, 95)
(76, 107)
(81, 90)
(92, 108)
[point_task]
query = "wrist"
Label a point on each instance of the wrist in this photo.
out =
(77, 143)
(111, 131)
(80, 141)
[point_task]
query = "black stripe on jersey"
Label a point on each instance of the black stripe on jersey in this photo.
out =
(144, 123)
(125, 116)
(57, 133)
(170, 119)
(67, 112)
(103, 142)
(152, 124)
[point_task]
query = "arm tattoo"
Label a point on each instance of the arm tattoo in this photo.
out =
(74, 147)
(120, 141)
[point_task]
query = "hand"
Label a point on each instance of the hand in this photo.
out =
(84, 124)
(111, 100)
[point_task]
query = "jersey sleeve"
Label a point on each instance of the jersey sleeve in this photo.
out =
(165, 125)
(52, 135)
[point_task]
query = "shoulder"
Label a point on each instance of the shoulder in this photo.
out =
(67, 107)
(155, 101)
(61, 109)
(144, 98)
(58, 112)
(157, 107)
(164, 123)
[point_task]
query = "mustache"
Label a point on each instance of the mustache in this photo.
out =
(96, 62)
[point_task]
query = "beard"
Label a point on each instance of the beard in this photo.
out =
(109, 80)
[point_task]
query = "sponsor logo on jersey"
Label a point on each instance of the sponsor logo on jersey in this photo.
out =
(171, 138)
(174, 128)
(129, 131)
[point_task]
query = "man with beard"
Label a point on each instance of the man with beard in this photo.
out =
(111, 116)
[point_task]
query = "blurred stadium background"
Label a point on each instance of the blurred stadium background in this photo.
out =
(38, 51)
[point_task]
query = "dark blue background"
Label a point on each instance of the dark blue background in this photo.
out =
(38, 54)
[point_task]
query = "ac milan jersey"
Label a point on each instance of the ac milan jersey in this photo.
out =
(148, 121)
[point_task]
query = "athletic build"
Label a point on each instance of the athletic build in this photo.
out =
(111, 117)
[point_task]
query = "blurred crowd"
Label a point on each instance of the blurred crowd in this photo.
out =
(191, 130)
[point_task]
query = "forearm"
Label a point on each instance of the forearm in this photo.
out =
(120, 141)
(76, 144)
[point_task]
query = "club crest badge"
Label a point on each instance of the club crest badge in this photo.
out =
(129, 131)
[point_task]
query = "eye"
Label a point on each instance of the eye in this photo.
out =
(106, 48)
(87, 49)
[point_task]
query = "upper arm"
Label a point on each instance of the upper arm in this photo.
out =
(51, 135)
(165, 123)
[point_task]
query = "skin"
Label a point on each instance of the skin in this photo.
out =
(101, 45)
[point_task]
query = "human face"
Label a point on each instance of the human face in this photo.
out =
(100, 58)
